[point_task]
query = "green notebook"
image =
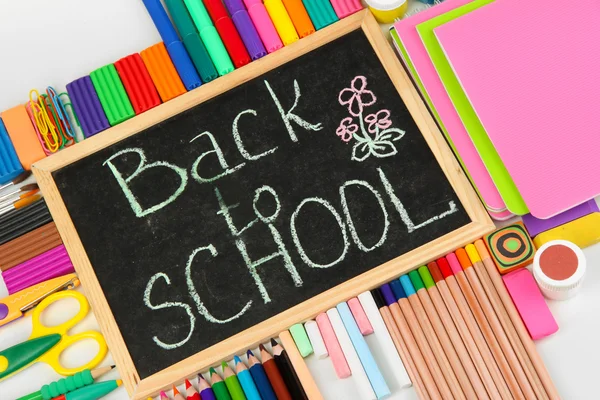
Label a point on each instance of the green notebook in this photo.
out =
(489, 155)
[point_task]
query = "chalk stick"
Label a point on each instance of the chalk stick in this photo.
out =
(584, 232)
(112, 95)
(301, 339)
(340, 365)
(23, 136)
(360, 317)
(530, 303)
(384, 339)
(343, 8)
(87, 106)
(138, 83)
(367, 360)
(306, 379)
(321, 13)
(10, 167)
(163, 72)
(316, 340)
(359, 374)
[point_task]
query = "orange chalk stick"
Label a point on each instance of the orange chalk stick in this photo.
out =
(299, 16)
(23, 136)
(163, 72)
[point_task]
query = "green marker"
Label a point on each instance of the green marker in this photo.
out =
(218, 386)
(233, 383)
(191, 40)
(93, 392)
(210, 37)
(301, 339)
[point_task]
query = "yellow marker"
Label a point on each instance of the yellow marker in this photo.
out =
(584, 232)
(282, 21)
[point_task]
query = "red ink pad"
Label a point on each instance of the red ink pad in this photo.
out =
(559, 267)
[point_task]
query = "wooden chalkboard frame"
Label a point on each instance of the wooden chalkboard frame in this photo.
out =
(140, 389)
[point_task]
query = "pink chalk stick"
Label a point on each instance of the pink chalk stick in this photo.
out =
(454, 263)
(334, 349)
(530, 303)
(364, 325)
(48, 265)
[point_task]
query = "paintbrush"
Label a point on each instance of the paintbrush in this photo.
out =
(20, 204)
(17, 180)
(25, 188)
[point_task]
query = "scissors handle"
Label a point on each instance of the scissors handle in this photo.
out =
(39, 329)
(52, 357)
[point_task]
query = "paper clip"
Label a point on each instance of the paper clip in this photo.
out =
(67, 130)
(72, 116)
(44, 125)
(29, 110)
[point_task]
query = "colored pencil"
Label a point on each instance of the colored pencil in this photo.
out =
(514, 316)
(481, 317)
(218, 386)
(466, 312)
(176, 394)
(260, 377)
(274, 374)
(391, 293)
(450, 344)
(206, 392)
(233, 383)
(17, 180)
(246, 381)
(300, 368)
(191, 392)
(284, 364)
(453, 334)
(163, 396)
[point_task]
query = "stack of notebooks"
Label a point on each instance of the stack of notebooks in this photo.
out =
(514, 87)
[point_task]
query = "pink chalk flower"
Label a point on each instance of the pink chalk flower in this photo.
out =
(356, 97)
(380, 120)
(346, 129)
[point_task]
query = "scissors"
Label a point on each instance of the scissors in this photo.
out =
(47, 343)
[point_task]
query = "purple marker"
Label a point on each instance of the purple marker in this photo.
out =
(87, 106)
(246, 28)
(48, 265)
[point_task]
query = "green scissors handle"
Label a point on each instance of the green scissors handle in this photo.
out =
(21, 355)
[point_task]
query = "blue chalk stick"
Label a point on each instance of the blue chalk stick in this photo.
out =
(407, 285)
(367, 360)
(10, 166)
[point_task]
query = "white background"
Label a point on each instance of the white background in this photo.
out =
(55, 42)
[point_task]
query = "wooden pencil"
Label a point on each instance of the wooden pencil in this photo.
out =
(275, 378)
(400, 345)
(260, 377)
(457, 296)
(449, 339)
(233, 383)
(432, 384)
(442, 294)
(297, 361)
(495, 326)
(514, 316)
(176, 394)
(219, 386)
(191, 392)
(206, 392)
(287, 371)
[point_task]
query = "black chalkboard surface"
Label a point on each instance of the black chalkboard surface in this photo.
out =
(256, 200)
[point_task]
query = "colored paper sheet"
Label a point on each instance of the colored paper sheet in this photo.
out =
(532, 78)
(503, 181)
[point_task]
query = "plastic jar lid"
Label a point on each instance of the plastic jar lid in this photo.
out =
(559, 267)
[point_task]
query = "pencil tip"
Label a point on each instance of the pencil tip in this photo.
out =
(212, 371)
(237, 360)
(262, 347)
(249, 353)
(224, 364)
(113, 366)
(200, 378)
(274, 342)
(175, 391)
(119, 382)
(187, 384)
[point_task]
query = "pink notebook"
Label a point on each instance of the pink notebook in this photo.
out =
(437, 93)
(531, 71)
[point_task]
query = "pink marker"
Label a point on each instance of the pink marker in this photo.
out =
(334, 349)
(48, 265)
(343, 8)
(364, 325)
(264, 25)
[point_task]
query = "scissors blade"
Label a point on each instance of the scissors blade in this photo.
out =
(17, 357)
(68, 285)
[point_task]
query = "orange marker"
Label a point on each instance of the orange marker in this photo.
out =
(300, 18)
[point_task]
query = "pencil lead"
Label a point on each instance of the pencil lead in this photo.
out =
(187, 384)
(274, 342)
(224, 364)
(212, 371)
(175, 391)
(237, 360)
(249, 353)
(163, 395)
(113, 366)
(262, 347)
(119, 382)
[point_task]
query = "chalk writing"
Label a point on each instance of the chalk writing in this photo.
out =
(216, 149)
(238, 139)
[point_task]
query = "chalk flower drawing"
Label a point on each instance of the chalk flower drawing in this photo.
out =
(377, 139)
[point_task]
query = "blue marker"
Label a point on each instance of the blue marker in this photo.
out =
(179, 55)
(367, 360)
(246, 380)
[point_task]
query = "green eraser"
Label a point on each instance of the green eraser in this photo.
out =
(416, 280)
(112, 94)
(426, 277)
(301, 339)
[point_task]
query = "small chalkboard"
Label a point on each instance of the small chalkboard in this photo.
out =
(217, 220)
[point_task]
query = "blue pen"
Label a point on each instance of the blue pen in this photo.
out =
(179, 55)
(367, 360)
(246, 380)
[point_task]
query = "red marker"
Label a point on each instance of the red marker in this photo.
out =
(191, 392)
(230, 36)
